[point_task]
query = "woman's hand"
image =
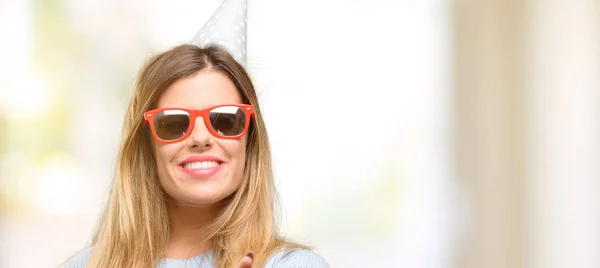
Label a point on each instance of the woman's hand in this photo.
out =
(246, 261)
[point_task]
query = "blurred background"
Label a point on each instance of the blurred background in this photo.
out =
(462, 133)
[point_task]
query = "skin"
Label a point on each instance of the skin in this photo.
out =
(194, 202)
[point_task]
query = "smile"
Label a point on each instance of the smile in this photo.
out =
(201, 169)
(201, 165)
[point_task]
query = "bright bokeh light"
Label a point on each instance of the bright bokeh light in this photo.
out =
(59, 188)
(27, 96)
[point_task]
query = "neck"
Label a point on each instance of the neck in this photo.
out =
(188, 225)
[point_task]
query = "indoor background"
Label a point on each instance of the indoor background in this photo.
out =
(430, 133)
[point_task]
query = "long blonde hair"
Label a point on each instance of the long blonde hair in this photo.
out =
(134, 227)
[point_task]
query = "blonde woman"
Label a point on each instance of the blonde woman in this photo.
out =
(194, 186)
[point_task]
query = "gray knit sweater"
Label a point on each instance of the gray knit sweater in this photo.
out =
(295, 258)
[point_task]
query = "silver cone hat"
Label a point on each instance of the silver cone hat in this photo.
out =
(227, 28)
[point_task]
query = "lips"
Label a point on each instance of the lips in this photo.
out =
(201, 166)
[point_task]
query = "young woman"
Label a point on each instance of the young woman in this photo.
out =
(194, 185)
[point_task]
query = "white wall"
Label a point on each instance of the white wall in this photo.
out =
(564, 61)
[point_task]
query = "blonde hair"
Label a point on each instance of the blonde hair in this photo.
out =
(134, 227)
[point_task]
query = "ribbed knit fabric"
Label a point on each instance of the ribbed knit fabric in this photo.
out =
(295, 258)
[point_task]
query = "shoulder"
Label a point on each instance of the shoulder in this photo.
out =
(296, 258)
(80, 259)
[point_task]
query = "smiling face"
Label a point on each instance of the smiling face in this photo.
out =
(202, 169)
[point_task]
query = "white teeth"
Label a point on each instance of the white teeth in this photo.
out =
(201, 165)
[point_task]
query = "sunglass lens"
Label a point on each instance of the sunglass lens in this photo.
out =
(171, 124)
(228, 120)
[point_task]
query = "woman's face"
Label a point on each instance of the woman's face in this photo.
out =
(198, 183)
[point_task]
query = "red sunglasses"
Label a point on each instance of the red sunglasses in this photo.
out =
(229, 121)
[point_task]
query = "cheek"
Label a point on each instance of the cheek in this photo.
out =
(163, 153)
(236, 151)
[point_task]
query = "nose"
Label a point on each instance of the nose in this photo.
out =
(200, 136)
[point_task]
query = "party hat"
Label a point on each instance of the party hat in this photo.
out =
(226, 27)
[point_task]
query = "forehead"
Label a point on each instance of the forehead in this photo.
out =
(201, 90)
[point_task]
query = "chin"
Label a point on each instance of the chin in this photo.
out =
(200, 192)
(204, 200)
(202, 196)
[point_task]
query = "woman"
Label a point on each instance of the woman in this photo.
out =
(194, 185)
